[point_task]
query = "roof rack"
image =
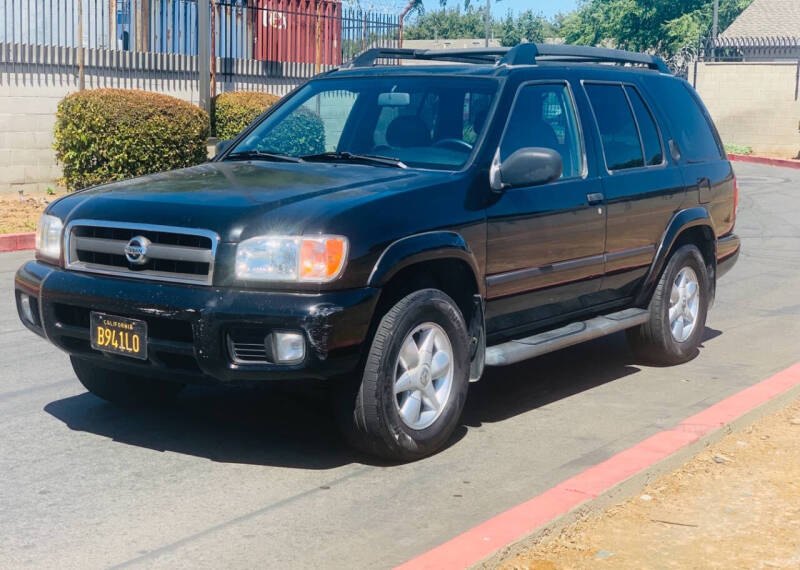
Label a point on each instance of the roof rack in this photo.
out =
(474, 55)
(522, 54)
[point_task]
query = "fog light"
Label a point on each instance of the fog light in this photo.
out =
(27, 310)
(288, 347)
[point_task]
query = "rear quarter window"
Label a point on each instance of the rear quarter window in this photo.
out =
(691, 126)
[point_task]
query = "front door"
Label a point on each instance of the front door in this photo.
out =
(545, 243)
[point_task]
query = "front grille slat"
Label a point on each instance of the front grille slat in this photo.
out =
(183, 255)
(247, 346)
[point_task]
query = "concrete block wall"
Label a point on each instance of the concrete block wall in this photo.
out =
(27, 117)
(28, 104)
(754, 104)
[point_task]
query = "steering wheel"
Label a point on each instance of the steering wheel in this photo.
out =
(455, 144)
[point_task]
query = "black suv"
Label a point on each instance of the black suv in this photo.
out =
(392, 229)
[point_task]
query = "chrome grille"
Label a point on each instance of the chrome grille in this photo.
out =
(183, 255)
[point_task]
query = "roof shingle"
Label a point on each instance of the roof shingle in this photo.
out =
(767, 18)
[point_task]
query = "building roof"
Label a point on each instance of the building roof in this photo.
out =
(767, 18)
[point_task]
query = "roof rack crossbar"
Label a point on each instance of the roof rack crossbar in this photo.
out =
(523, 54)
(527, 54)
(477, 55)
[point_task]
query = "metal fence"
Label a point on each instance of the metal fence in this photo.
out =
(748, 49)
(252, 38)
(324, 34)
(161, 26)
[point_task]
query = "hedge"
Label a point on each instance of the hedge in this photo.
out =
(300, 133)
(104, 135)
(234, 110)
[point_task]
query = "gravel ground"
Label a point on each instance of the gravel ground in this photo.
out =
(735, 505)
(21, 215)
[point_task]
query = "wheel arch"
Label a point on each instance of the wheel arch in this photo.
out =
(422, 248)
(689, 226)
(440, 260)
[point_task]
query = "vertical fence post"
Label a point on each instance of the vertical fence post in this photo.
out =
(318, 42)
(697, 57)
(203, 55)
(81, 76)
(112, 24)
(213, 55)
(364, 32)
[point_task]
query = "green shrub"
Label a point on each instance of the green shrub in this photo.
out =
(235, 110)
(104, 135)
(737, 149)
(300, 133)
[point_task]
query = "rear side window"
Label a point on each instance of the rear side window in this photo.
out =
(651, 141)
(621, 145)
(690, 126)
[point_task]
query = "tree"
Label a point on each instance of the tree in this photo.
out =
(410, 7)
(448, 23)
(527, 27)
(645, 25)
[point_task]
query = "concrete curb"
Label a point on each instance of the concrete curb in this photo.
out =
(616, 479)
(784, 162)
(17, 242)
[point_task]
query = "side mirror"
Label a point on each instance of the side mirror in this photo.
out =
(528, 166)
(222, 145)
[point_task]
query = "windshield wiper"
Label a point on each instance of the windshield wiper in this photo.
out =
(262, 155)
(353, 157)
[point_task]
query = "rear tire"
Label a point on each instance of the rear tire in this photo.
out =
(678, 311)
(414, 382)
(121, 388)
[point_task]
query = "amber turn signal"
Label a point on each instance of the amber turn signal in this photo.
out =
(322, 258)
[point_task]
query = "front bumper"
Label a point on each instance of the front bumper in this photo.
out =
(188, 326)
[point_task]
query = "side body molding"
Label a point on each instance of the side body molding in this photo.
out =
(425, 246)
(680, 222)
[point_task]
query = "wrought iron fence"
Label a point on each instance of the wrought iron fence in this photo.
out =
(733, 49)
(160, 26)
(324, 34)
(297, 38)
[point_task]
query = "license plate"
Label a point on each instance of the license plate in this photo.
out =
(119, 335)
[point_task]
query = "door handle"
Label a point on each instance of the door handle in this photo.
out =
(594, 198)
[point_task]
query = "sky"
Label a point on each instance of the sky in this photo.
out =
(546, 7)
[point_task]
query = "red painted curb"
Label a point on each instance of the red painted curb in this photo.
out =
(485, 539)
(784, 162)
(17, 242)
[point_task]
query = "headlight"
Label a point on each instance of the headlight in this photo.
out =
(315, 259)
(48, 238)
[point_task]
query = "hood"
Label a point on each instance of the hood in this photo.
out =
(237, 199)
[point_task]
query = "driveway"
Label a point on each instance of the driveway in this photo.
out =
(260, 478)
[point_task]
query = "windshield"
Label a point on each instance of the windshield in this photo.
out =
(423, 122)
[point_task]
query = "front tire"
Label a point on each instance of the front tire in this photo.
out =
(123, 389)
(678, 311)
(415, 379)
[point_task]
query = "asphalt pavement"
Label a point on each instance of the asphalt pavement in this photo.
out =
(259, 478)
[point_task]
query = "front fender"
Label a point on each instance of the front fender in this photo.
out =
(426, 246)
(680, 222)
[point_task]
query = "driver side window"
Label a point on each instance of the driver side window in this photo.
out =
(544, 116)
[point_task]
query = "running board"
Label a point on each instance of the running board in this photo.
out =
(574, 333)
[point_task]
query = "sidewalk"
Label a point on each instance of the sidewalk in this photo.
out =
(734, 505)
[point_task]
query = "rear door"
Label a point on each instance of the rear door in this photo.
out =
(707, 172)
(642, 187)
(544, 243)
